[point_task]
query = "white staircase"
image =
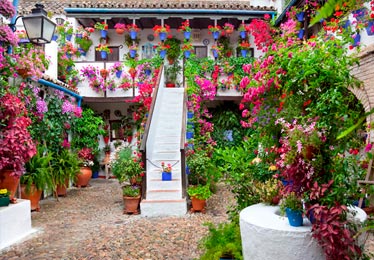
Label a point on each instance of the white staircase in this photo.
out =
(164, 198)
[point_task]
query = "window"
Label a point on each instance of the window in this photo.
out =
(201, 51)
(114, 56)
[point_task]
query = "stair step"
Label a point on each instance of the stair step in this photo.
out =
(159, 184)
(164, 194)
(161, 208)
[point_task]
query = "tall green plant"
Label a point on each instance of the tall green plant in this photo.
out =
(86, 130)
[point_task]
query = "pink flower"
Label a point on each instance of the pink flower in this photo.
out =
(368, 147)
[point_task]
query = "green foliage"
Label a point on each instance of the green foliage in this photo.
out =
(201, 192)
(131, 191)
(86, 130)
(225, 43)
(125, 167)
(172, 71)
(174, 51)
(201, 169)
(38, 171)
(223, 240)
(65, 165)
(291, 201)
(84, 43)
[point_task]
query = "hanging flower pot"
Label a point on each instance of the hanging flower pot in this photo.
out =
(133, 35)
(189, 114)
(132, 53)
(243, 34)
(370, 28)
(104, 33)
(187, 54)
(189, 135)
(215, 53)
(162, 53)
(120, 31)
(148, 72)
(162, 36)
(356, 38)
(244, 53)
(216, 35)
(301, 34)
(300, 16)
(187, 35)
(118, 73)
(68, 37)
(359, 14)
(82, 52)
(55, 37)
(104, 54)
(79, 35)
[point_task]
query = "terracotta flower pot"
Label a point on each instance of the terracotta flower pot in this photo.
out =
(120, 31)
(131, 204)
(84, 177)
(9, 182)
(34, 196)
(61, 190)
(198, 205)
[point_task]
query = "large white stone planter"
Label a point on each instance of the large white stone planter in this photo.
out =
(15, 223)
(267, 236)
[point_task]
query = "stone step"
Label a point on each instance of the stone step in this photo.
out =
(164, 194)
(159, 184)
(161, 208)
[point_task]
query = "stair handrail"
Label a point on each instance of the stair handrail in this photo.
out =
(143, 142)
(150, 113)
(182, 144)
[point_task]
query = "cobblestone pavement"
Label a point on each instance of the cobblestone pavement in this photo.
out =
(89, 224)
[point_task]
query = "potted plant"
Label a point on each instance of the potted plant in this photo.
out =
(117, 69)
(161, 31)
(199, 194)
(162, 48)
(131, 199)
(133, 30)
(243, 28)
(104, 50)
(215, 31)
(244, 46)
(65, 166)
(37, 178)
(216, 50)
(173, 51)
(103, 27)
(86, 158)
(120, 28)
(85, 41)
(127, 165)
(172, 72)
(292, 205)
(17, 146)
(4, 197)
(186, 29)
(228, 28)
(166, 171)
(187, 48)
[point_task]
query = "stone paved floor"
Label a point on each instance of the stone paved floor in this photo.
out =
(89, 224)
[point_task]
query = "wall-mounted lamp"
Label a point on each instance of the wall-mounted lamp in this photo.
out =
(38, 26)
(60, 21)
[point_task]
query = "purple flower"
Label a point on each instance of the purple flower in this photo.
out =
(67, 107)
(41, 106)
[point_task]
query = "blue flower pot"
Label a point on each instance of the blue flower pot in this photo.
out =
(244, 53)
(162, 53)
(189, 135)
(68, 37)
(300, 16)
(189, 114)
(148, 72)
(103, 33)
(187, 54)
(133, 35)
(301, 34)
(82, 52)
(370, 28)
(359, 14)
(95, 174)
(78, 35)
(132, 53)
(187, 170)
(215, 53)
(295, 217)
(118, 73)
(187, 35)
(104, 54)
(215, 35)
(346, 24)
(162, 36)
(55, 37)
(243, 34)
(166, 176)
(356, 40)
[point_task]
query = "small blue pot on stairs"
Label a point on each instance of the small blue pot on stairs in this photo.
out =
(166, 176)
